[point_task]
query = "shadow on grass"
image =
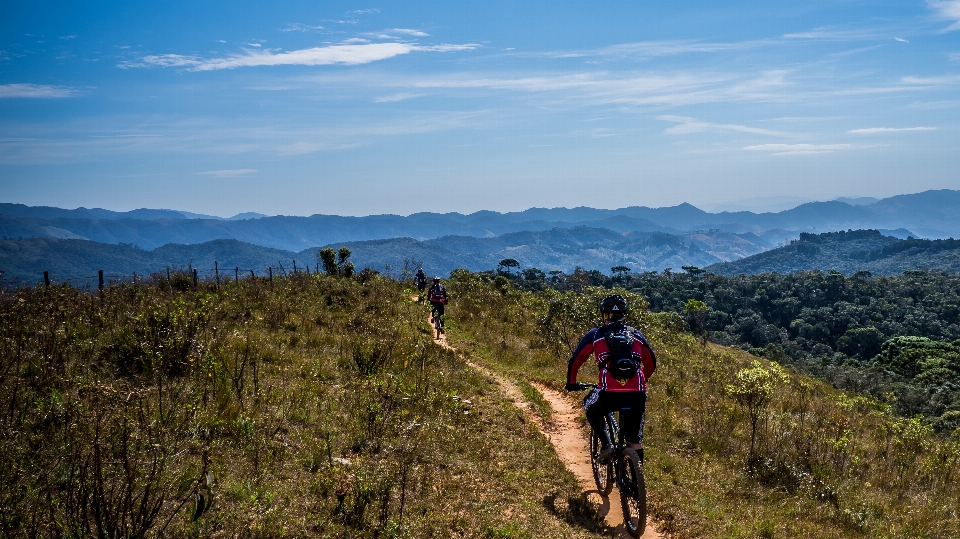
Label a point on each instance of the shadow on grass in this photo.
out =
(579, 510)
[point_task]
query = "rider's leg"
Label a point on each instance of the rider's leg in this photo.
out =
(596, 411)
(631, 421)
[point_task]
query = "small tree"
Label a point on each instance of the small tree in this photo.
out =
(753, 389)
(618, 272)
(507, 263)
(696, 313)
(533, 274)
(336, 262)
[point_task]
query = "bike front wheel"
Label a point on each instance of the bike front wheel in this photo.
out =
(633, 494)
(602, 473)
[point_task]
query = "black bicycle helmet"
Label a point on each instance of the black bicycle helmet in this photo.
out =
(436, 279)
(613, 304)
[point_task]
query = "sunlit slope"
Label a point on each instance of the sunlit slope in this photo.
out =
(821, 463)
(314, 406)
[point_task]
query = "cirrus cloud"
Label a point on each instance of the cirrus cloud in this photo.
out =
(871, 130)
(349, 54)
(229, 173)
(35, 91)
(798, 149)
(947, 9)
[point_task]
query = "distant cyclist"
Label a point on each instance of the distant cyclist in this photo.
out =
(420, 280)
(626, 362)
(438, 298)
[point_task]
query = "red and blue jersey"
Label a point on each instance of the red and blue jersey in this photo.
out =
(594, 343)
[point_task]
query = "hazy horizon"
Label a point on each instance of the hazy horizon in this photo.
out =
(396, 108)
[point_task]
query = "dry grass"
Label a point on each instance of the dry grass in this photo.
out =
(824, 463)
(314, 406)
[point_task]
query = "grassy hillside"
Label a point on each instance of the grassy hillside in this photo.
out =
(849, 252)
(321, 407)
(824, 463)
(314, 407)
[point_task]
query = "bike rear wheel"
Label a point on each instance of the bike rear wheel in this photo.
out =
(602, 473)
(633, 494)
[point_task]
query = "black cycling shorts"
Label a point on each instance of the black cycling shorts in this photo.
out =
(438, 307)
(599, 403)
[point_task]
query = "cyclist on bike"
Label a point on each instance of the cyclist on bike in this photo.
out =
(438, 298)
(420, 280)
(626, 362)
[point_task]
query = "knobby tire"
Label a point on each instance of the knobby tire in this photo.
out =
(602, 473)
(633, 494)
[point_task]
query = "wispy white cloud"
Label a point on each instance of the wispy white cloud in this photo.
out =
(687, 126)
(297, 27)
(409, 32)
(872, 130)
(229, 173)
(68, 37)
(35, 91)
(363, 11)
(352, 54)
(947, 9)
(901, 40)
(395, 97)
(834, 34)
(650, 49)
(944, 80)
(798, 149)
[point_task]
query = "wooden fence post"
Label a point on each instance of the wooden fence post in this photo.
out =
(270, 269)
(252, 276)
(236, 274)
(46, 278)
(100, 275)
(216, 272)
(194, 278)
(294, 267)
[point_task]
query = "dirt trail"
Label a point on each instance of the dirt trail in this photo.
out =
(568, 440)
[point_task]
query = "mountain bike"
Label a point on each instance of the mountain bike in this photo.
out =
(437, 321)
(625, 471)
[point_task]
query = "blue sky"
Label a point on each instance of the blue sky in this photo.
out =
(352, 108)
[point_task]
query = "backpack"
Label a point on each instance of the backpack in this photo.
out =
(622, 362)
(438, 293)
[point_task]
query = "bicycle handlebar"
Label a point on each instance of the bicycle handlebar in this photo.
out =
(581, 386)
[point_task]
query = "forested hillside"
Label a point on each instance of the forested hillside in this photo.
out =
(895, 337)
(320, 406)
(849, 252)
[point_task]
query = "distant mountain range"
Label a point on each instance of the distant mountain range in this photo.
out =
(557, 238)
(563, 249)
(849, 252)
(932, 214)
(77, 261)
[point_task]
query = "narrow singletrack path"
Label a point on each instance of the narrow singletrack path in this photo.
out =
(568, 440)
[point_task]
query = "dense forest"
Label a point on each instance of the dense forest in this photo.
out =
(895, 337)
(848, 252)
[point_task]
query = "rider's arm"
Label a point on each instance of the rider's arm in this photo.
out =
(580, 355)
(647, 357)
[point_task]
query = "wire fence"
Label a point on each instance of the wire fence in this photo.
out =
(217, 273)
